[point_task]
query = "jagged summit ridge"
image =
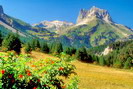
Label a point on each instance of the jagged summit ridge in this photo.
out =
(1, 10)
(88, 15)
(54, 25)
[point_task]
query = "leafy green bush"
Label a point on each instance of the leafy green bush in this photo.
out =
(67, 57)
(18, 73)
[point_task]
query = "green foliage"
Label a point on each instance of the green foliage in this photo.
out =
(73, 83)
(95, 58)
(120, 57)
(82, 55)
(97, 49)
(117, 64)
(45, 74)
(56, 48)
(128, 63)
(11, 42)
(119, 45)
(70, 50)
(101, 61)
(44, 47)
(35, 44)
(67, 51)
(4, 30)
(27, 48)
(66, 57)
(1, 39)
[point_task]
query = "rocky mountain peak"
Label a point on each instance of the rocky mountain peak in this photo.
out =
(88, 15)
(1, 10)
(53, 25)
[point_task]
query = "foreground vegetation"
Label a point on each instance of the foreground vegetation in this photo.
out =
(18, 71)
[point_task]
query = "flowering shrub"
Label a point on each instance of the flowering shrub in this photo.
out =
(23, 72)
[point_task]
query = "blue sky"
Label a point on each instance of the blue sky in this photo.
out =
(34, 11)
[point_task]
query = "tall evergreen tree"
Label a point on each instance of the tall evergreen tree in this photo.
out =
(82, 55)
(73, 50)
(44, 47)
(70, 50)
(27, 48)
(12, 42)
(67, 51)
(35, 44)
(56, 48)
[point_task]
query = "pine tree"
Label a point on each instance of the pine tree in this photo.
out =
(44, 47)
(82, 54)
(57, 48)
(70, 50)
(12, 42)
(28, 48)
(67, 51)
(35, 44)
(73, 50)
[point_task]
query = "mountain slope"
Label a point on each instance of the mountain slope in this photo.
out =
(95, 27)
(22, 28)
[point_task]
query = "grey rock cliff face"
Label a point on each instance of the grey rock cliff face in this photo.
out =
(1, 10)
(94, 12)
(5, 18)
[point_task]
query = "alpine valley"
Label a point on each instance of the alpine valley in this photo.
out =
(94, 27)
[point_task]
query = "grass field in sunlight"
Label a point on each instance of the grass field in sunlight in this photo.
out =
(98, 77)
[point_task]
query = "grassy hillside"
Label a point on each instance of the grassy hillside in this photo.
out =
(4, 30)
(96, 32)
